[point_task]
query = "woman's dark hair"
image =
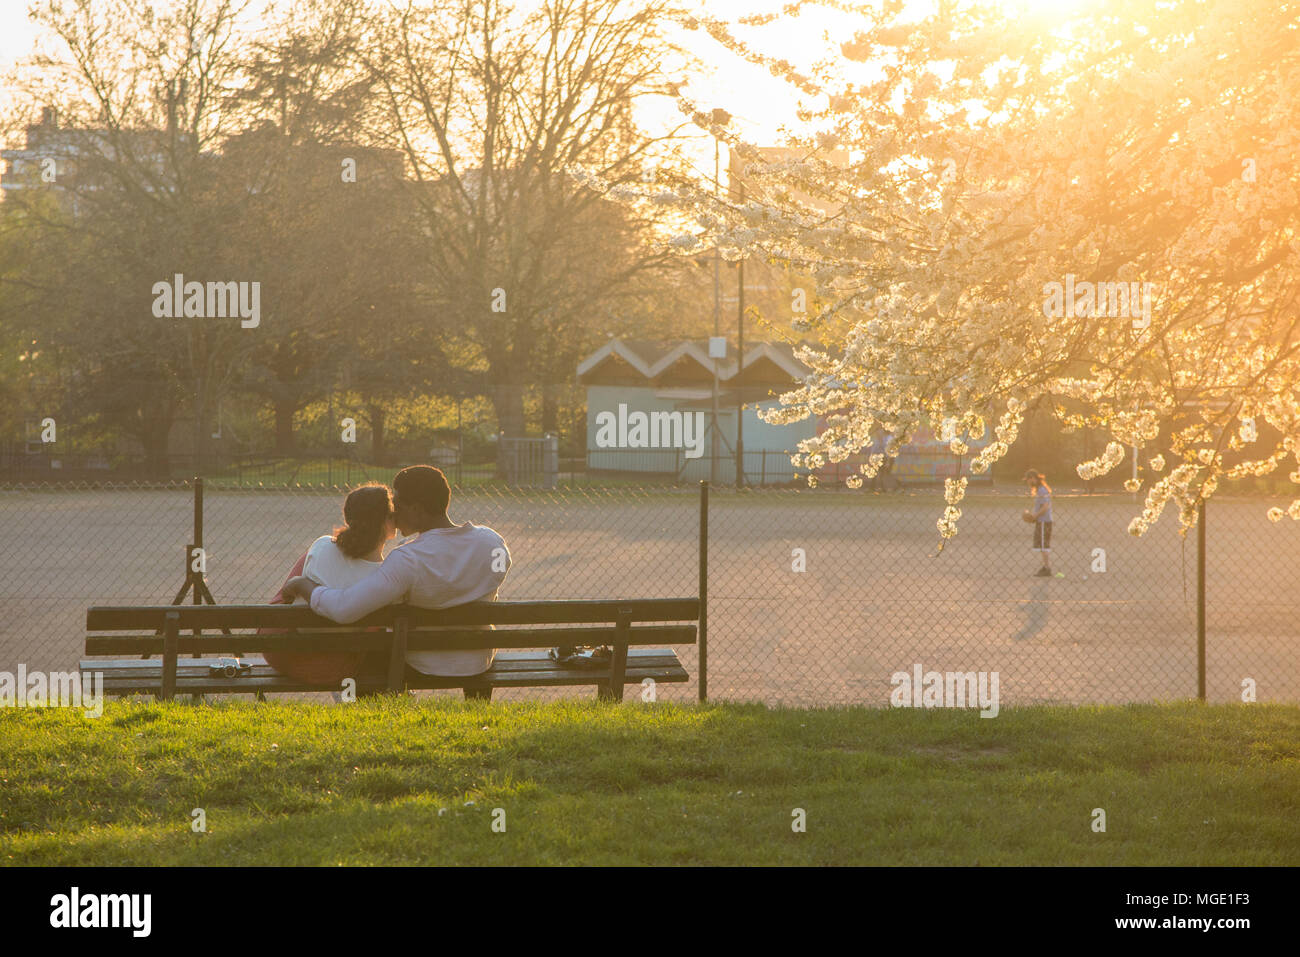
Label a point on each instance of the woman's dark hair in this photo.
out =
(1038, 479)
(366, 510)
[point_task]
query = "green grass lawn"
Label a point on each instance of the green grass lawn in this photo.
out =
(391, 781)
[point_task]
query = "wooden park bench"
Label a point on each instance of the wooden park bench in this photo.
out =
(638, 631)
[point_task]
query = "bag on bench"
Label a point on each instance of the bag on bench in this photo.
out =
(582, 656)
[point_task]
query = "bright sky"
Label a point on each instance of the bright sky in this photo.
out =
(15, 33)
(760, 103)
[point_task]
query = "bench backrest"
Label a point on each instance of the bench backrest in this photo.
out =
(458, 628)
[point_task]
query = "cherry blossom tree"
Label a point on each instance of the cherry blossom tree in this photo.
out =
(1093, 212)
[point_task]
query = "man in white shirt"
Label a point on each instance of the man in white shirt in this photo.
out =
(444, 565)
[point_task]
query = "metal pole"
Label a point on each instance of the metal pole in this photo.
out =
(198, 542)
(740, 373)
(1135, 471)
(704, 591)
(1200, 600)
(1087, 456)
(198, 516)
(717, 325)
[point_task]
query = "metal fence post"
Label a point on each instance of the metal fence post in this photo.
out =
(198, 516)
(1200, 600)
(199, 585)
(704, 590)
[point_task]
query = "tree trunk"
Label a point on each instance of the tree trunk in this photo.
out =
(284, 437)
(508, 403)
(155, 459)
(550, 408)
(377, 452)
(200, 442)
(154, 437)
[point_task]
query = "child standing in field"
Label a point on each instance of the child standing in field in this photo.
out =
(1041, 516)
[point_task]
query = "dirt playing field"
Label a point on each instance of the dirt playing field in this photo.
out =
(873, 598)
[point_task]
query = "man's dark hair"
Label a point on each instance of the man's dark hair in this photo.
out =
(424, 487)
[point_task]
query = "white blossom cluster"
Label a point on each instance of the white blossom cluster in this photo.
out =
(1102, 464)
(930, 251)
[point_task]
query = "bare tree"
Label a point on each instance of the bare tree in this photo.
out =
(188, 145)
(503, 115)
(138, 92)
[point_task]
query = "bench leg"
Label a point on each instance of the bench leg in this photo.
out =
(478, 694)
(397, 657)
(171, 644)
(612, 690)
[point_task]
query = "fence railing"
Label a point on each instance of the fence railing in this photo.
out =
(267, 469)
(521, 463)
(766, 467)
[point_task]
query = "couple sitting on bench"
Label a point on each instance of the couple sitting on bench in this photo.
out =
(344, 579)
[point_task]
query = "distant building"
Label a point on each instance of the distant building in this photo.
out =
(37, 165)
(650, 409)
(69, 159)
(738, 184)
(671, 385)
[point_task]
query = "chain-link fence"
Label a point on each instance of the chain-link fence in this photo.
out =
(517, 463)
(814, 596)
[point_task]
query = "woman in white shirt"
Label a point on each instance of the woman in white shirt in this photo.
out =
(352, 553)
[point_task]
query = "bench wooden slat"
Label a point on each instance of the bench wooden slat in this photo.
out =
(505, 662)
(237, 644)
(208, 617)
(422, 640)
(511, 669)
(150, 671)
(566, 678)
(281, 685)
(645, 656)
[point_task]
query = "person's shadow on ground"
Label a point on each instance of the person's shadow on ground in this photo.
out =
(1035, 610)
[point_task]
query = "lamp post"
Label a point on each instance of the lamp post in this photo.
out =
(740, 358)
(719, 118)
